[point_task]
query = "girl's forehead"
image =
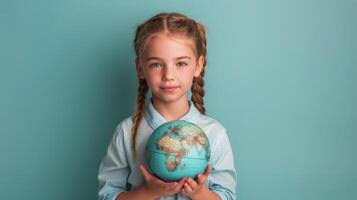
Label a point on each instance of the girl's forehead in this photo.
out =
(169, 44)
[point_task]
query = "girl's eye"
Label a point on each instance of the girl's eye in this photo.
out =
(154, 65)
(181, 64)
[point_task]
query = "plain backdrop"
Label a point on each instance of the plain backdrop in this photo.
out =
(281, 77)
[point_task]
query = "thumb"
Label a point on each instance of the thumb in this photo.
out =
(208, 170)
(202, 177)
(145, 173)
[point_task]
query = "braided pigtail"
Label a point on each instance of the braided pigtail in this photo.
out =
(197, 89)
(139, 111)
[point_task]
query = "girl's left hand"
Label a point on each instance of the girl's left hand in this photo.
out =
(191, 188)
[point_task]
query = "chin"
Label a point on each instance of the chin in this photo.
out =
(169, 98)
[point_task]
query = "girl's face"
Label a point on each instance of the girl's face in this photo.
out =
(169, 65)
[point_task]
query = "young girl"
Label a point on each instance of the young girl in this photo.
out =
(170, 50)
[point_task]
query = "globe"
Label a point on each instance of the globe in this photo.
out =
(177, 149)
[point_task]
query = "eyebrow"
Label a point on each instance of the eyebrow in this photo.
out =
(157, 58)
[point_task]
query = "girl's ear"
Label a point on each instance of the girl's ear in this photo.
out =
(199, 67)
(139, 69)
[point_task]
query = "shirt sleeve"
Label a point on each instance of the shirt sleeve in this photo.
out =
(223, 177)
(114, 170)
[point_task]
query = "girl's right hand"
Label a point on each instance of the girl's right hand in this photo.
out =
(157, 187)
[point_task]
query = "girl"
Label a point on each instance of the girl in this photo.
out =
(170, 50)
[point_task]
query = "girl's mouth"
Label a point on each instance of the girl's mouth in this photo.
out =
(169, 88)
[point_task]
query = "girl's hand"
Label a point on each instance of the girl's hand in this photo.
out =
(157, 187)
(193, 188)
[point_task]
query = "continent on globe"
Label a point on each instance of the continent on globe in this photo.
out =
(178, 145)
(178, 149)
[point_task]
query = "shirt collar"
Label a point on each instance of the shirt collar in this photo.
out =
(155, 119)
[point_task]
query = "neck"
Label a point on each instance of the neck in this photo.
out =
(171, 110)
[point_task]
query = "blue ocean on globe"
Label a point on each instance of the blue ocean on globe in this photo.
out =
(177, 149)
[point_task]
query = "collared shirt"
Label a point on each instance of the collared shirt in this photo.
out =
(118, 172)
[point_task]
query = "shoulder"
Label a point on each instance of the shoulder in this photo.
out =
(217, 135)
(213, 128)
(123, 128)
(209, 123)
(124, 124)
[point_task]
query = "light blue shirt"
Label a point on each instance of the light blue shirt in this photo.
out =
(119, 173)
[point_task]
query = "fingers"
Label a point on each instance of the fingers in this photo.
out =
(208, 170)
(183, 191)
(160, 186)
(178, 186)
(145, 173)
(191, 183)
(201, 178)
(165, 185)
(192, 187)
(168, 186)
(188, 189)
(149, 178)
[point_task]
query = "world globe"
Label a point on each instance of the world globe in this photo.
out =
(177, 149)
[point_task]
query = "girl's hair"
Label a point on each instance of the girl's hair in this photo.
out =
(170, 23)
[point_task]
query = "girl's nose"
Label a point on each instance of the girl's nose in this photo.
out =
(168, 73)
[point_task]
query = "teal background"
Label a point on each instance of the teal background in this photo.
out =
(281, 77)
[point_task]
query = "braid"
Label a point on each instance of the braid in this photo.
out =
(139, 111)
(197, 89)
(203, 41)
(198, 92)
